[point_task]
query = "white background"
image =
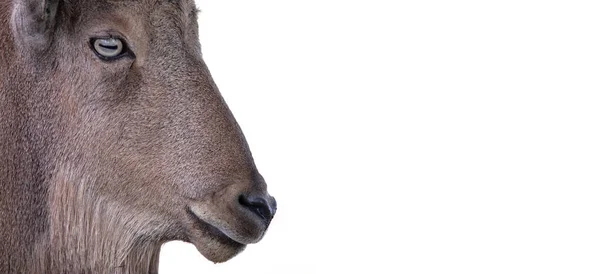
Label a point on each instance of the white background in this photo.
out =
(414, 136)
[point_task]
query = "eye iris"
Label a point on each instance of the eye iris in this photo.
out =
(110, 47)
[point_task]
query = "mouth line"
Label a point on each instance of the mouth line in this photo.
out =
(211, 229)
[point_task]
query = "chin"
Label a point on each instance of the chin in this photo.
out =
(212, 242)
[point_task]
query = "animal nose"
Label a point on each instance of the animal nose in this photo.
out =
(265, 207)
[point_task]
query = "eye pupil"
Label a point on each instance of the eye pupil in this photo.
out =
(108, 48)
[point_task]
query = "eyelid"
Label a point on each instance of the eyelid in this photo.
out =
(108, 32)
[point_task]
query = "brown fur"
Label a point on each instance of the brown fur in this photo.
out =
(102, 162)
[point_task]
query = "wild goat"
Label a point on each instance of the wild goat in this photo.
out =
(114, 139)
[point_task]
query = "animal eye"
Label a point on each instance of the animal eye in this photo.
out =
(108, 48)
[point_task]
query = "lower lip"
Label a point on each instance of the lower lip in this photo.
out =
(210, 228)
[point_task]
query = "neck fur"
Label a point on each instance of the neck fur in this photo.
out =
(88, 234)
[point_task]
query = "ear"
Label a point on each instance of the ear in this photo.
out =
(33, 22)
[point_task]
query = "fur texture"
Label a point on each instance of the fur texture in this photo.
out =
(101, 162)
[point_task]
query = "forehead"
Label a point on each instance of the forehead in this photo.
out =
(130, 14)
(148, 2)
(137, 7)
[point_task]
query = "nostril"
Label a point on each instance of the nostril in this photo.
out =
(258, 205)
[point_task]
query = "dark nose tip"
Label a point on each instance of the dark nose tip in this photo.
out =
(264, 207)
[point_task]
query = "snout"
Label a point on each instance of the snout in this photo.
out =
(230, 218)
(262, 205)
